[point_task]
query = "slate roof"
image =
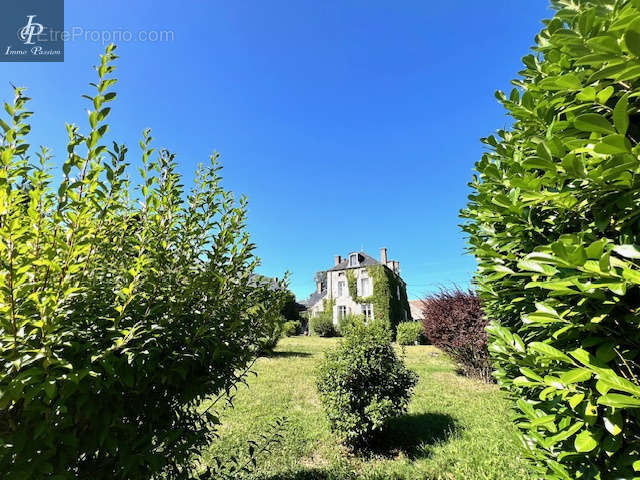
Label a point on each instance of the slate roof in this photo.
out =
(365, 261)
(416, 309)
(314, 298)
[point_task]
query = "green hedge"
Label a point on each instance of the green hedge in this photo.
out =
(553, 220)
(349, 321)
(410, 333)
(291, 328)
(321, 324)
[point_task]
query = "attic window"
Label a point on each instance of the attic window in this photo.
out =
(353, 259)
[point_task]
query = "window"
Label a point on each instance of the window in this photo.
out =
(353, 259)
(342, 287)
(367, 311)
(365, 287)
(342, 311)
(398, 292)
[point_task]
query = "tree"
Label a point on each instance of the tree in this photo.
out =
(120, 310)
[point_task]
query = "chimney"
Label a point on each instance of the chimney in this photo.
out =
(396, 266)
(383, 255)
(338, 259)
(319, 287)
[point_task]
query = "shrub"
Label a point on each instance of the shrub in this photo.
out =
(363, 384)
(291, 328)
(321, 324)
(553, 222)
(120, 311)
(273, 333)
(410, 333)
(454, 322)
(348, 321)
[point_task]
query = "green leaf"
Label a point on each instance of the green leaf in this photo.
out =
(567, 433)
(50, 388)
(570, 82)
(632, 40)
(605, 94)
(631, 275)
(576, 399)
(549, 352)
(616, 382)
(530, 374)
(593, 122)
(619, 400)
(613, 145)
(620, 115)
(587, 95)
(540, 163)
(537, 267)
(575, 375)
(585, 441)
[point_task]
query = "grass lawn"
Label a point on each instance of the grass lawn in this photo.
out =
(456, 428)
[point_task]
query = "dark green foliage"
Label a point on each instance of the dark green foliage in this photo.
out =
(290, 308)
(321, 324)
(291, 328)
(389, 309)
(120, 309)
(410, 333)
(453, 320)
(362, 384)
(554, 223)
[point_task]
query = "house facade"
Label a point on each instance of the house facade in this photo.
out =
(361, 285)
(416, 309)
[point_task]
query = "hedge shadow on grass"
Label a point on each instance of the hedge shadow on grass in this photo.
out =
(414, 435)
(305, 474)
(287, 354)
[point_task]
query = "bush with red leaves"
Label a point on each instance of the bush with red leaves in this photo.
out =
(454, 322)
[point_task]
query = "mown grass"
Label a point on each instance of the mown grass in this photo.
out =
(456, 428)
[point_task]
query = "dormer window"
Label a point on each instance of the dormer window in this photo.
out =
(353, 260)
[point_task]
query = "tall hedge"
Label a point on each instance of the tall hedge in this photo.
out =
(121, 309)
(554, 221)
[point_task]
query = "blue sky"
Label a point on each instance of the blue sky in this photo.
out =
(348, 124)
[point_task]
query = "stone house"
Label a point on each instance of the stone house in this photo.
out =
(416, 309)
(361, 285)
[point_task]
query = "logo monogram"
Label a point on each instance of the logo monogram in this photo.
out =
(30, 30)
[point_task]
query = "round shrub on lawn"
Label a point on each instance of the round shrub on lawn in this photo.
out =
(322, 325)
(362, 384)
(346, 322)
(554, 222)
(410, 333)
(291, 328)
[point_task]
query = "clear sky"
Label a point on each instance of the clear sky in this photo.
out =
(348, 124)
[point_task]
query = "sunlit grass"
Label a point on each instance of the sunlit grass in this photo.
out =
(456, 428)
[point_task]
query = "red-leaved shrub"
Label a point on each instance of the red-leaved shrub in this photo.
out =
(453, 321)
